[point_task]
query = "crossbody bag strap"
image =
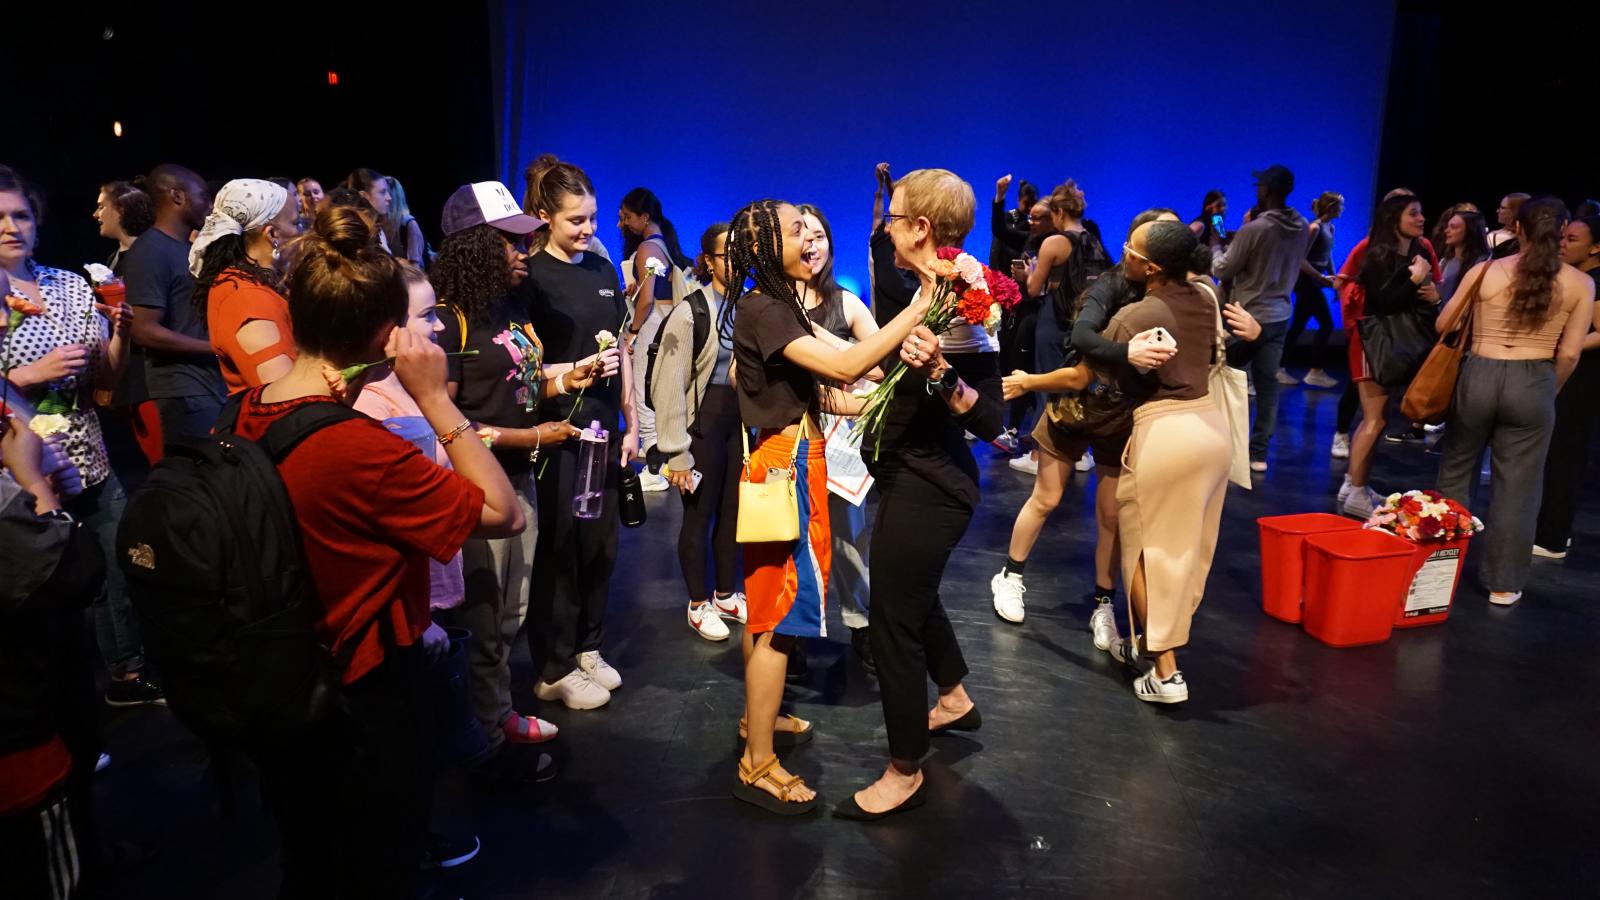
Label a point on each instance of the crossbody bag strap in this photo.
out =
(794, 451)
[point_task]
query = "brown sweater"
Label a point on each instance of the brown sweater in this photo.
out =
(1187, 314)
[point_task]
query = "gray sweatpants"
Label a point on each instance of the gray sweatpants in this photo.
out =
(1508, 406)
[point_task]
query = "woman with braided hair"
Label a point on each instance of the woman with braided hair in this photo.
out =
(778, 361)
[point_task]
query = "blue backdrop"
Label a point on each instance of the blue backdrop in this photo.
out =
(712, 104)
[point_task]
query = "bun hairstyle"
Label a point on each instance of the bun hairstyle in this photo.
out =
(1068, 200)
(1541, 222)
(1327, 202)
(551, 181)
(1173, 247)
(344, 288)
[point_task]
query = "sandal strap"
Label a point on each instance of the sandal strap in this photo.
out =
(753, 774)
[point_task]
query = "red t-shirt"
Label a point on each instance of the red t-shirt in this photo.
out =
(372, 512)
(28, 776)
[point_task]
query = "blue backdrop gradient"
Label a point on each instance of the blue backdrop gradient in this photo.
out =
(716, 103)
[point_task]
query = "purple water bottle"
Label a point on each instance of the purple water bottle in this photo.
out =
(589, 487)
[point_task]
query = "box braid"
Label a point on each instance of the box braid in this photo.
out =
(755, 256)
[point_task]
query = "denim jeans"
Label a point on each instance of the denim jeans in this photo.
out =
(116, 630)
(1262, 358)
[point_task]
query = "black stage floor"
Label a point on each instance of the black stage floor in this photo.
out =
(1454, 761)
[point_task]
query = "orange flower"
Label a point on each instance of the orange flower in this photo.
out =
(21, 305)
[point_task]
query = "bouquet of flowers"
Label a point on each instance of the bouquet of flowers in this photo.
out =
(1424, 517)
(965, 291)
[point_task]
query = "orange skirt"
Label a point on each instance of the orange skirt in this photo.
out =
(786, 582)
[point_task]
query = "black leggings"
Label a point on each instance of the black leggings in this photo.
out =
(571, 567)
(718, 455)
(1016, 352)
(1310, 303)
(919, 525)
(1349, 403)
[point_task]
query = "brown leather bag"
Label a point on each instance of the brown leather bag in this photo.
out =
(1427, 399)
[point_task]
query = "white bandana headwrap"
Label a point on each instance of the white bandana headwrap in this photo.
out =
(243, 204)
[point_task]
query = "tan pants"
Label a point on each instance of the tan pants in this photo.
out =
(1174, 478)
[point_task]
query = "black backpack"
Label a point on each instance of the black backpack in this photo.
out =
(701, 310)
(211, 549)
(1087, 262)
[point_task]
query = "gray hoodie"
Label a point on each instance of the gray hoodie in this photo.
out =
(1263, 261)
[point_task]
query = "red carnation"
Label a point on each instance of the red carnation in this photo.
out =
(974, 306)
(1433, 495)
(1430, 529)
(949, 253)
(1003, 288)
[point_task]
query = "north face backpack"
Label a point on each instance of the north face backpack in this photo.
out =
(1087, 263)
(211, 550)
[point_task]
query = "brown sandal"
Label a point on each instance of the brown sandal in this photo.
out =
(781, 740)
(745, 789)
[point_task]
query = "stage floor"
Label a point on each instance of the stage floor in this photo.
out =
(1453, 761)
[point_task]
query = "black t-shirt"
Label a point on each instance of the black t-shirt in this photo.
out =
(568, 304)
(922, 437)
(773, 392)
(156, 271)
(892, 286)
(496, 387)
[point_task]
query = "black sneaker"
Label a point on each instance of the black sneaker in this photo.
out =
(514, 765)
(862, 644)
(136, 691)
(446, 851)
(1412, 435)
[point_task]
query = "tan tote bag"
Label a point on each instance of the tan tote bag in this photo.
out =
(769, 511)
(1232, 393)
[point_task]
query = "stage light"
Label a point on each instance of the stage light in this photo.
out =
(116, 128)
(333, 77)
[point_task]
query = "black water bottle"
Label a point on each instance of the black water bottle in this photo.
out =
(630, 505)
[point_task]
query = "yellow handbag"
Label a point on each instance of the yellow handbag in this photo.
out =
(769, 511)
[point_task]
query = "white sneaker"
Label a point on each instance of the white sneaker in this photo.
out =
(971, 437)
(1103, 624)
(1258, 466)
(1084, 462)
(732, 607)
(1151, 689)
(650, 482)
(1543, 553)
(1344, 493)
(1008, 440)
(704, 620)
(575, 690)
(1320, 379)
(1341, 446)
(1122, 650)
(1025, 464)
(1360, 503)
(102, 762)
(1285, 378)
(1008, 591)
(1504, 598)
(598, 670)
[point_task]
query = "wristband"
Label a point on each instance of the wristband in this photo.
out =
(561, 384)
(458, 431)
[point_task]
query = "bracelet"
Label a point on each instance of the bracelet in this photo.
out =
(561, 383)
(458, 431)
(538, 441)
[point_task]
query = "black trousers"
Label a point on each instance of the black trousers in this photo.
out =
(919, 525)
(712, 512)
(571, 566)
(1016, 352)
(1310, 303)
(352, 800)
(1569, 449)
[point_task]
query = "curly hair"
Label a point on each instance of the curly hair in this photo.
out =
(1533, 288)
(471, 272)
(226, 258)
(133, 206)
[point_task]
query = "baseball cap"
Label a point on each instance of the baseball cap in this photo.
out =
(1278, 179)
(486, 203)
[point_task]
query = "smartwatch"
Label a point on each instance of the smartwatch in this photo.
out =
(949, 380)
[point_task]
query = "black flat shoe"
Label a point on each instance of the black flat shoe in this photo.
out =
(970, 721)
(850, 809)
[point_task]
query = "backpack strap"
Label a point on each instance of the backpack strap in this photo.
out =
(286, 433)
(228, 419)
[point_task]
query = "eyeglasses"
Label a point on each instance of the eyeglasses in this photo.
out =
(1128, 248)
(888, 218)
(1034, 218)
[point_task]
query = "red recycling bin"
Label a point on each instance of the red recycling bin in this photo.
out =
(1435, 574)
(1283, 558)
(1355, 581)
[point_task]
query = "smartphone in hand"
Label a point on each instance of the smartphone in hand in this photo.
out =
(694, 480)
